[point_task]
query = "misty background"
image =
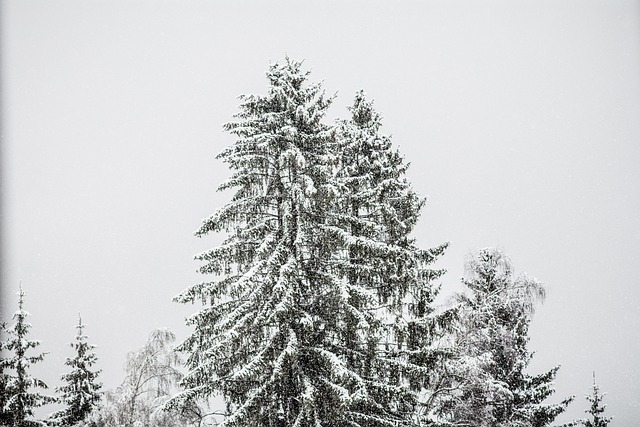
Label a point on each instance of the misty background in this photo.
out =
(521, 121)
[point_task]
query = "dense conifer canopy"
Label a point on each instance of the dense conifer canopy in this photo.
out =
(316, 269)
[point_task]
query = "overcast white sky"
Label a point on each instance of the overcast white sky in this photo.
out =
(521, 120)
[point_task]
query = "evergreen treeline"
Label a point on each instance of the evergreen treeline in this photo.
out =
(318, 308)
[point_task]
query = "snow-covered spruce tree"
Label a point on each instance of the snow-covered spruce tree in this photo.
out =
(493, 388)
(21, 399)
(270, 337)
(597, 408)
(376, 214)
(81, 393)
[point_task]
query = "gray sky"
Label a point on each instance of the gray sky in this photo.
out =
(521, 120)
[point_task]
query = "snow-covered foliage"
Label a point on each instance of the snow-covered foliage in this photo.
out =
(151, 377)
(491, 387)
(596, 409)
(315, 272)
(81, 393)
(19, 397)
(5, 416)
(377, 212)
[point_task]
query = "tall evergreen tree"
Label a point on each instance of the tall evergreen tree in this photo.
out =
(493, 388)
(22, 400)
(377, 212)
(81, 392)
(597, 408)
(282, 333)
(259, 341)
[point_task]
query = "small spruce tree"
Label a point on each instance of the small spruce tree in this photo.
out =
(81, 392)
(21, 400)
(596, 411)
